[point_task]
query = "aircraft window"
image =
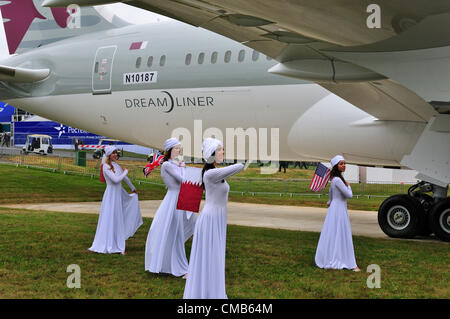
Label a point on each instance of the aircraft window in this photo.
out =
(227, 57)
(241, 55)
(214, 57)
(138, 62)
(162, 60)
(268, 58)
(188, 59)
(255, 55)
(201, 58)
(96, 67)
(150, 61)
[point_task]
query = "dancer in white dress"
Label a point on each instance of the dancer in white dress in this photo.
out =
(120, 214)
(171, 228)
(335, 247)
(206, 273)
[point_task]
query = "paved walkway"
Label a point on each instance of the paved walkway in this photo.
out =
(363, 223)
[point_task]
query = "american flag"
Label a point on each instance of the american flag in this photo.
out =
(320, 179)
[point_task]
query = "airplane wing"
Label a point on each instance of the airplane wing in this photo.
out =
(364, 52)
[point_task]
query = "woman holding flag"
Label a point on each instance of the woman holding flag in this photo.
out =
(171, 228)
(335, 247)
(206, 279)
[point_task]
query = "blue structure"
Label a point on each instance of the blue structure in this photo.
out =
(6, 113)
(61, 134)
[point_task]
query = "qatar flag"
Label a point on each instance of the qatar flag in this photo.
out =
(191, 190)
(138, 45)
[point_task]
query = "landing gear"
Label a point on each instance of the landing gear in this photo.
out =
(439, 219)
(399, 216)
(417, 213)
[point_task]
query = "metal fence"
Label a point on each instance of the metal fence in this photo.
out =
(295, 187)
(64, 164)
(238, 185)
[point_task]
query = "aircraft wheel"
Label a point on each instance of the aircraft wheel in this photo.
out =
(426, 201)
(439, 219)
(400, 216)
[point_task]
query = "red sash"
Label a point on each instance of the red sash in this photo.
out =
(102, 178)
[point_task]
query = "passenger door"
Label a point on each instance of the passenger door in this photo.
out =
(102, 70)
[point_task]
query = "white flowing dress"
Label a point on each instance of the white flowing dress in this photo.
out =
(206, 273)
(335, 247)
(170, 229)
(120, 214)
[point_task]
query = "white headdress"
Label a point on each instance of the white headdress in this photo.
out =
(209, 146)
(336, 160)
(109, 149)
(170, 143)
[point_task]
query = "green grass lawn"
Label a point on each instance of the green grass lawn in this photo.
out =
(37, 247)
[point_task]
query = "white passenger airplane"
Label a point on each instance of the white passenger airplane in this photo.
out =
(140, 83)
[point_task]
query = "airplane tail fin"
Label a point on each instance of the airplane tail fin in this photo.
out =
(28, 25)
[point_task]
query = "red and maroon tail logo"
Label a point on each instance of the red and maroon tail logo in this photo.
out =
(20, 14)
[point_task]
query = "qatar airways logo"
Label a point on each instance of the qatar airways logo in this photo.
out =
(167, 102)
(20, 14)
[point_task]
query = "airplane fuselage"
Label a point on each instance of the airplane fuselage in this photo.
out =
(141, 84)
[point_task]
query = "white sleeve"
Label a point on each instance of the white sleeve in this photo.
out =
(345, 190)
(116, 179)
(330, 195)
(218, 174)
(172, 171)
(129, 183)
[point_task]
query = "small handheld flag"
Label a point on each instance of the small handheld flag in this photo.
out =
(155, 162)
(321, 178)
(191, 190)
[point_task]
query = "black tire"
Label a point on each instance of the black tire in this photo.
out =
(439, 219)
(426, 201)
(400, 216)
